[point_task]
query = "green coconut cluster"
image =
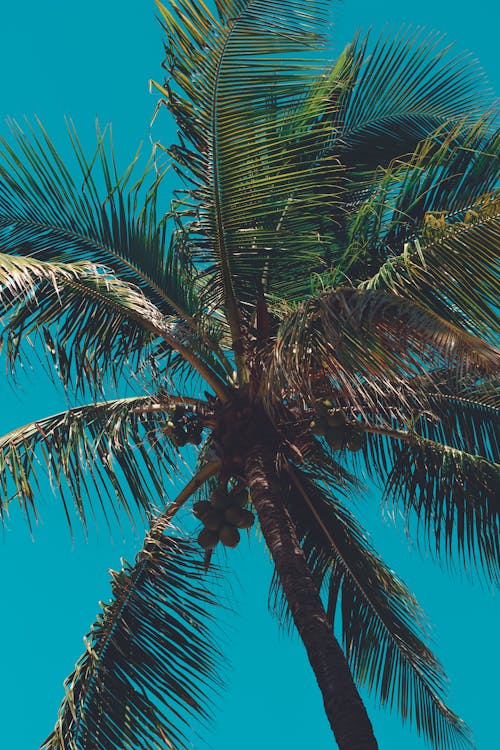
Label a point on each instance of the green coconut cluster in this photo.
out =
(223, 517)
(339, 432)
(183, 427)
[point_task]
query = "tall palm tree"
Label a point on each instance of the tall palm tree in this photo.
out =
(328, 273)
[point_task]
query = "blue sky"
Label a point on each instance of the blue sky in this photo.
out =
(94, 59)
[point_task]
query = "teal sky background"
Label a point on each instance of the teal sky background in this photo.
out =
(95, 59)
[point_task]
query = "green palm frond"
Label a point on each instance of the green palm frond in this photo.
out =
(151, 663)
(451, 172)
(108, 218)
(465, 418)
(382, 625)
(454, 498)
(450, 179)
(111, 219)
(93, 323)
(247, 93)
(361, 347)
(457, 274)
(485, 391)
(117, 451)
(401, 89)
(330, 271)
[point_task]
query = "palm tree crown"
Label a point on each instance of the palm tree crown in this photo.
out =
(329, 274)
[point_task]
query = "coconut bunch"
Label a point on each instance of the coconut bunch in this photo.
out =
(339, 432)
(183, 427)
(223, 516)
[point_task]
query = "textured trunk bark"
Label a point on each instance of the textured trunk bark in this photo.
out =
(343, 705)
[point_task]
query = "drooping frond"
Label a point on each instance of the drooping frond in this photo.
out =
(400, 90)
(92, 323)
(466, 418)
(105, 217)
(452, 176)
(99, 323)
(447, 182)
(485, 391)
(457, 274)
(150, 663)
(382, 625)
(361, 347)
(247, 92)
(117, 451)
(454, 498)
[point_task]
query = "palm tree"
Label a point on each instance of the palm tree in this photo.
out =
(328, 274)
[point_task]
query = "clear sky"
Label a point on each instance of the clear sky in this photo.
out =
(94, 59)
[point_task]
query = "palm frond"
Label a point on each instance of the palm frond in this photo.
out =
(117, 451)
(457, 274)
(452, 172)
(400, 90)
(98, 323)
(150, 663)
(247, 91)
(382, 625)
(454, 498)
(92, 323)
(362, 347)
(109, 218)
(449, 180)
(466, 418)
(485, 391)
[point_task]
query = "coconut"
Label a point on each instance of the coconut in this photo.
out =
(213, 519)
(201, 508)
(234, 514)
(229, 535)
(179, 437)
(193, 435)
(318, 426)
(207, 538)
(196, 438)
(239, 517)
(355, 439)
(247, 519)
(220, 498)
(335, 438)
(240, 497)
(335, 418)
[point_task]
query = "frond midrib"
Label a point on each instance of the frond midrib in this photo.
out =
(66, 232)
(233, 312)
(99, 653)
(75, 410)
(400, 115)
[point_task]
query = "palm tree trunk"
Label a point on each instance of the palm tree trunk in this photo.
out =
(343, 705)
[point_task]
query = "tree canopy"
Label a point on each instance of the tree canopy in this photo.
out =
(329, 273)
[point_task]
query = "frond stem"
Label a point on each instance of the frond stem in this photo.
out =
(158, 527)
(143, 276)
(213, 381)
(171, 401)
(233, 312)
(405, 435)
(217, 385)
(206, 472)
(121, 259)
